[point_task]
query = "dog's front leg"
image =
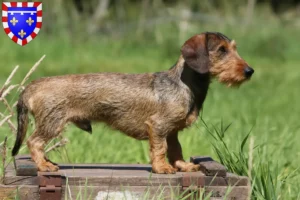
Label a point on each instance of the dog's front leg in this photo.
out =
(175, 155)
(158, 150)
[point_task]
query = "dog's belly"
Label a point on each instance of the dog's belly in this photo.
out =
(137, 135)
(130, 121)
(132, 125)
(134, 130)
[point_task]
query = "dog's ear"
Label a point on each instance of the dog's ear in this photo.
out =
(195, 53)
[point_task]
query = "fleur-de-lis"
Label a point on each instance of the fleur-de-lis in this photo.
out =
(14, 21)
(22, 33)
(29, 21)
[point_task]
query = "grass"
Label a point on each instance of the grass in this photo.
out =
(264, 111)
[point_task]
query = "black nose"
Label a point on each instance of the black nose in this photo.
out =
(248, 72)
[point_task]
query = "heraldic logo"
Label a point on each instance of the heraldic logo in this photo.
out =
(22, 21)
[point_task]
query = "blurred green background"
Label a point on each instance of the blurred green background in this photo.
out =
(136, 36)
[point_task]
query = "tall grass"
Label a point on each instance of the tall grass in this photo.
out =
(268, 180)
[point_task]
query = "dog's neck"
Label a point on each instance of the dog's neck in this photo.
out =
(196, 82)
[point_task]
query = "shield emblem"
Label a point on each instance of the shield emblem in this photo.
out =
(22, 21)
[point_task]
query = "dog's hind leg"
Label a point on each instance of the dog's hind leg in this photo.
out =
(36, 143)
(45, 131)
(175, 155)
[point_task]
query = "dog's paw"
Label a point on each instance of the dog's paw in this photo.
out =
(190, 167)
(47, 167)
(163, 169)
(187, 167)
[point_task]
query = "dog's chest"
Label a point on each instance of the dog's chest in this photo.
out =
(186, 120)
(193, 111)
(192, 117)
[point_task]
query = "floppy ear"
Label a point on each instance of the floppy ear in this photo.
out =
(195, 53)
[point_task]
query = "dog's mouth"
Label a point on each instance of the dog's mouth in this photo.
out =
(232, 82)
(231, 79)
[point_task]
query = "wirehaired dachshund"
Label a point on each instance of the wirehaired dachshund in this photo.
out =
(153, 106)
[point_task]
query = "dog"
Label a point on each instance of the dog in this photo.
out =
(153, 106)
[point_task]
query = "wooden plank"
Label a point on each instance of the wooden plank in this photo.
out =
(230, 193)
(9, 167)
(23, 192)
(208, 166)
(98, 180)
(235, 180)
(24, 166)
(128, 181)
(195, 179)
(155, 180)
(218, 192)
(135, 192)
(201, 181)
(145, 167)
(116, 176)
(21, 180)
(131, 174)
(12, 179)
(99, 176)
(120, 192)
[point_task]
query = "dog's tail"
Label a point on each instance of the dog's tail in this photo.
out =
(22, 112)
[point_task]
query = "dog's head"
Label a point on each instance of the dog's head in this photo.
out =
(216, 54)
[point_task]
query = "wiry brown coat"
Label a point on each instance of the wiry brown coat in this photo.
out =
(152, 106)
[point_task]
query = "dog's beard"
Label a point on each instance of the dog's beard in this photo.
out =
(230, 82)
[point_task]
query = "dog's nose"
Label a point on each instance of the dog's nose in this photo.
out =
(248, 71)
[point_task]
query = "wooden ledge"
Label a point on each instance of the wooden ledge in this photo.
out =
(24, 166)
(208, 166)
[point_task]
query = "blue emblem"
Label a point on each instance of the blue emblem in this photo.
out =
(22, 21)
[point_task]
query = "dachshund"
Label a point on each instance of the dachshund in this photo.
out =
(153, 106)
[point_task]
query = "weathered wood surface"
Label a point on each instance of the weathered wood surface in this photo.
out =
(22, 192)
(194, 178)
(122, 176)
(12, 179)
(220, 193)
(121, 192)
(208, 166)
(24, 166)
(232, 193)
(98, 180)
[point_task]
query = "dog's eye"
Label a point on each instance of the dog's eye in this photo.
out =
(222, 49)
